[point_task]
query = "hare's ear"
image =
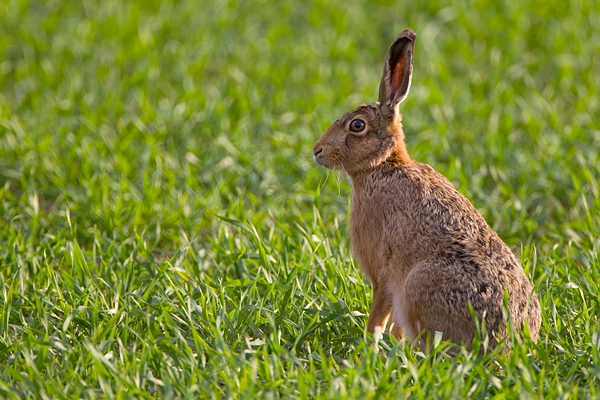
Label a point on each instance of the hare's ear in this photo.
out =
(397, 72)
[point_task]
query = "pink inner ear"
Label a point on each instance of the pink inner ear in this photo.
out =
(397, 75)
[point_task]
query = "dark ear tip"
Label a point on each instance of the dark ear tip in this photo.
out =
(407, 34)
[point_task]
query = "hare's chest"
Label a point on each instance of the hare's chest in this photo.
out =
(382, 236)
(366, 238)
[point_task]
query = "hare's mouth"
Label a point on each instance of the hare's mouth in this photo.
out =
(324, 157)
(321, 159)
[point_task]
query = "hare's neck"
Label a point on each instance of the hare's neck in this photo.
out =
(398, 156)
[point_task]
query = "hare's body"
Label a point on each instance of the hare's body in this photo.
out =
(430, 255)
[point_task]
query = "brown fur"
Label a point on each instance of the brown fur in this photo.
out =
(429, 254)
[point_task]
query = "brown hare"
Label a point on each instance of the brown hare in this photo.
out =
(432, 259)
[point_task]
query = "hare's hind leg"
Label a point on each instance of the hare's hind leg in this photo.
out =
(439, 296)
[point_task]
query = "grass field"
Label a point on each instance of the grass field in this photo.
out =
(165, 233)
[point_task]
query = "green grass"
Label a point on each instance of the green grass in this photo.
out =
(165, 233)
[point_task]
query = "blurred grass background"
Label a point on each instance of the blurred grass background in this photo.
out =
(165, 232)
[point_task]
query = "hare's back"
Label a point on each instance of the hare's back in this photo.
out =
(466, 262)
(445, 225)
(435, 204)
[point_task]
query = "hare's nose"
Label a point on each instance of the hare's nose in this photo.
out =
(316, 152)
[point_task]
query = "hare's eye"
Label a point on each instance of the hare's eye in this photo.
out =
(357, 125)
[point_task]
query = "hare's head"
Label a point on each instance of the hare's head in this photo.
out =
(372, 134)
